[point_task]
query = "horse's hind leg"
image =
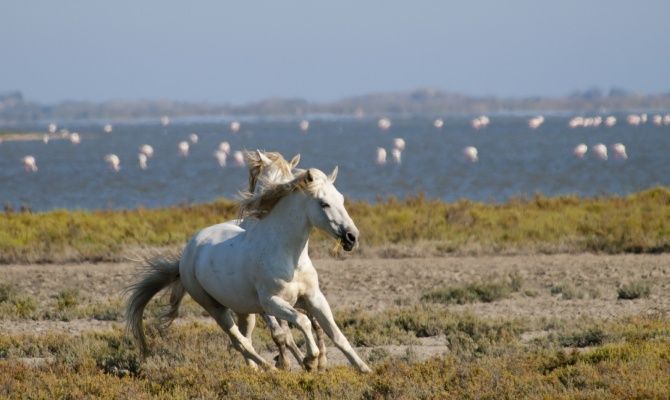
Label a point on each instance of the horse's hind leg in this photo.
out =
(246, 322)
(224, 318)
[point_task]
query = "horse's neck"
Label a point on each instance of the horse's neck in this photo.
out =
(287, 226)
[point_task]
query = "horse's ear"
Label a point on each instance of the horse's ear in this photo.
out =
(333, 175)
(264, 159)
(308, 176)
(295, 160)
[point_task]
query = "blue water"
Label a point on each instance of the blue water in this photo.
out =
(513, 160)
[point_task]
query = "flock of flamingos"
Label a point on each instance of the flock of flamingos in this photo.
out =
(470, 153)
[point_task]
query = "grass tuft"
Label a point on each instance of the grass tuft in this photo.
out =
(634, 290)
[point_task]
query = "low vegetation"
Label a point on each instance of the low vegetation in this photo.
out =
(105, 365)
(484, 291)
(639, 223)
(634, 290)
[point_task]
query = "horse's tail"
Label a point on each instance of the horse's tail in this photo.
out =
(157, 274)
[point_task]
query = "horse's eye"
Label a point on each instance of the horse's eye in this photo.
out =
(323, 204)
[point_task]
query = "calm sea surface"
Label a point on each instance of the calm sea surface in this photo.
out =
(513, 160)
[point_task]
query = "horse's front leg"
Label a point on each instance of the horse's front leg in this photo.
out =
(320, 309)
(280, 308)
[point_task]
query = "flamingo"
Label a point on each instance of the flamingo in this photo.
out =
(588, 122)
(29, 164)
(381, 156)
(107, 128)
(600, 150)
(384, 123)
(634, 120)
(45, 139)
(580, 150)
(235, 126)
(224, 147)
(438, 123)
(597, 121)
(576, 122)
(536, 122)
(610, 121)
(113, 162)
(142, 161)
(193, 138)
(643, 118)
(304, 125)
(399, 143)
(658, 120)
(52, 128)
(165, 120)
(221, 157)
(666, 119)
(471, 154)
(74, 138)
(238, 158)
(147, 150)
(183, 148)
(619, 151)
(397, 155)
(480, 122)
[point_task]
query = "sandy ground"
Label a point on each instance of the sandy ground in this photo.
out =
(377, 284)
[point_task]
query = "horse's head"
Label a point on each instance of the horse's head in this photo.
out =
(268, 167)
(325, 208)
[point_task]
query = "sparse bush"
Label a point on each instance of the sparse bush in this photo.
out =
(634, 290)
(567, 292)
(7, 292)
(67, 298)
(589, 337)
(24, 306)
(484, 292)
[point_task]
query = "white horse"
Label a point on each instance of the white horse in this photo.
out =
(262, 269)
(272, 168)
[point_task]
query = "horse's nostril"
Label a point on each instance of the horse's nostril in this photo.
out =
(351, 238)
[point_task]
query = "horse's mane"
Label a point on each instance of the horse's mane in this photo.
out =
(255, 164)
(260, 204)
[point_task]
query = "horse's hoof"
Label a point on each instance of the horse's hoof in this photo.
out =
(310, 363)
(364, 369)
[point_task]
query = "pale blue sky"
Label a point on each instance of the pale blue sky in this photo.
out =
(223, 51)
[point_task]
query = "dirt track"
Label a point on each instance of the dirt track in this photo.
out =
(382, 283)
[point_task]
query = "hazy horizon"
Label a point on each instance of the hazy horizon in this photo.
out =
(240, 53)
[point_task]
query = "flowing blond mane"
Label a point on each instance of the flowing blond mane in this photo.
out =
(255, 164)
(259, 205)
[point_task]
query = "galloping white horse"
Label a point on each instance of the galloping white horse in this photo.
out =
(262, 269)
(264, 168)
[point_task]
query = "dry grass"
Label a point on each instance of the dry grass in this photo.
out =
(104, 365)
(72, 344)
(638, 223)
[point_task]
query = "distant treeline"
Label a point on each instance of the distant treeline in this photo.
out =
(14, 108)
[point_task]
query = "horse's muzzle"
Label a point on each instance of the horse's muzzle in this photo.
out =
(349, 240)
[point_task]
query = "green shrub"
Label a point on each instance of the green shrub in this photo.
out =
(67, 298)
(589, 337)
(484, 292)
(634, 290)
